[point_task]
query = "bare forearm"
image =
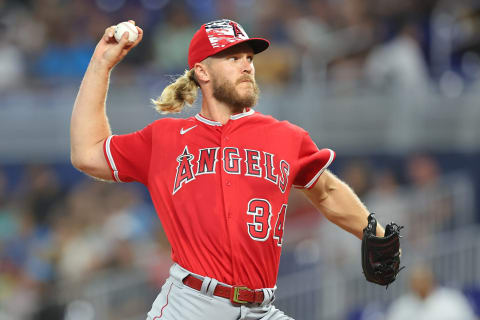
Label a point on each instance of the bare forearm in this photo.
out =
(89, 123)
(337, 201)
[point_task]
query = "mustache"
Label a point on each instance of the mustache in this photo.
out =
(245, 78)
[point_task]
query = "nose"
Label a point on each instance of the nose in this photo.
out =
(247, 66)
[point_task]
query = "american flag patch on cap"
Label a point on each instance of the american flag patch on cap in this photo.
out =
(223, 32)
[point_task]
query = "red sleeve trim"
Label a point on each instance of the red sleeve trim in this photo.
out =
(108, 156)
(312, 182)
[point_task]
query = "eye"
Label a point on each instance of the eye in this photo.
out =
(233, 58)
(250, 58)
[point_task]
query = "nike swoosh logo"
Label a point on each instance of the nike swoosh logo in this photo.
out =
(182, 131)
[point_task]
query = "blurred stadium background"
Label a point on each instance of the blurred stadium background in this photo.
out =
(392, 86)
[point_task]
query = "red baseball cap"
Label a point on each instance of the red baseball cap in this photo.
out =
(216, 36)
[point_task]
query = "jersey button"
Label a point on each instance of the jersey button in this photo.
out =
(228, 183)
(227, 138)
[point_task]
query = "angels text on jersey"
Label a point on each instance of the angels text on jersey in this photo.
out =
(247, 162)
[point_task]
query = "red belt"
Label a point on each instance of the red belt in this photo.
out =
(238, 295)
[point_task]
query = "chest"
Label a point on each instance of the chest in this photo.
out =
(258, 156)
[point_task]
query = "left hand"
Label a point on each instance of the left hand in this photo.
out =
(381, 255)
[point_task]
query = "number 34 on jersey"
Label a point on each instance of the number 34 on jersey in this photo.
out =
(261, 224)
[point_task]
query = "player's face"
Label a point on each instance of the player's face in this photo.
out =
(233, 78)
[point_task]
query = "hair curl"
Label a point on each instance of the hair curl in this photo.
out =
(178, 94)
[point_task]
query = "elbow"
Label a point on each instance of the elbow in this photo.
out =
(327, 186)
(75, 155)
(81, 161)
(78, 162)
(90, 160)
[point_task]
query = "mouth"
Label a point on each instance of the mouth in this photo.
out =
(245, 79)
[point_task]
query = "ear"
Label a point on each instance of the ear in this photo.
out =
(201, 72)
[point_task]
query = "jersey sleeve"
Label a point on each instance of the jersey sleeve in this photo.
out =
(311, 163)
(128, 155)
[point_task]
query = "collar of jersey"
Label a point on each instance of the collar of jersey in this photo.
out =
(237, 116)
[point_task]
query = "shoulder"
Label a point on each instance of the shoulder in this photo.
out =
(163, 123)
(278, 124)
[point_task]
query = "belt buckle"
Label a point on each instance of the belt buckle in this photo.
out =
(236, 293)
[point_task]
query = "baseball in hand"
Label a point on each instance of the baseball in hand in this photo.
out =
(123, 27)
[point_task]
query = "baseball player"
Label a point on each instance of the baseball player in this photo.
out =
(219, 180)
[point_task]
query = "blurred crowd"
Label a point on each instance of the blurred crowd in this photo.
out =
(56, 234)
(410, 45)
(436, 205)
(416, 192)
(429, 300)
(426, 298)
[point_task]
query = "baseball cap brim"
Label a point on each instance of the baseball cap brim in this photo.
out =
(258, 44)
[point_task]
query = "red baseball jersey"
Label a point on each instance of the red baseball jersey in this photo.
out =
(221, 191)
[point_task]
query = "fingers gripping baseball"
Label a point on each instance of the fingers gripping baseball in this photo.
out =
(111, 52)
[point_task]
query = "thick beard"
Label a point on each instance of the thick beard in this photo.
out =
(224, 91)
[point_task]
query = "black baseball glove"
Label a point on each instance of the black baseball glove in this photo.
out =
(381, 255)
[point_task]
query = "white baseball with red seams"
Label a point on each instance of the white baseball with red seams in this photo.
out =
(123, 27)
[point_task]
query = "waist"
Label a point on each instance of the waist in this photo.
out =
(237, 267)
(212, 287)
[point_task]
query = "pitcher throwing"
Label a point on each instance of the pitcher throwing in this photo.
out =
(219, 181)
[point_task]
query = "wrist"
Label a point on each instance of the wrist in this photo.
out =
(100, 66)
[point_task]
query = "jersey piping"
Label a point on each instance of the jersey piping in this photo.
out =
(243, 114)
(206, 121)
(110, 159)
(201, 118)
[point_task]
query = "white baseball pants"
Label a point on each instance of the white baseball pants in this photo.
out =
(177, 301)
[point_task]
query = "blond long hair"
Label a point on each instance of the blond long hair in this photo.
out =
(178, 94)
